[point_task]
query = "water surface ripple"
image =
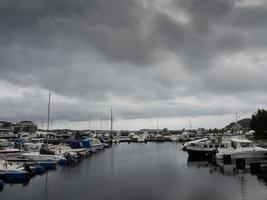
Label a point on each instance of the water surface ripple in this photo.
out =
(140, 172)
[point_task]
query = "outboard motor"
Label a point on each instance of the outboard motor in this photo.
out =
(45, 150)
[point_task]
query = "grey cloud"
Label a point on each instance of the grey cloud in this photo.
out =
(105, 52)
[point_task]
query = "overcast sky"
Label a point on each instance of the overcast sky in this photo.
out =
(173, 61)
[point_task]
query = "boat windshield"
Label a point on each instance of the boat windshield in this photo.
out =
(246, 144)
(236, 145)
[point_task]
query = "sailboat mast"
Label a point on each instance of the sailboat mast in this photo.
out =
(111, 121)
(48, 112)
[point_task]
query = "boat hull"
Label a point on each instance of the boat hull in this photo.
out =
(43, 157)
(201, 154)
(249, 156)
(15, 176)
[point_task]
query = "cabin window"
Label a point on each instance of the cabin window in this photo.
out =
(245, 144)
(205, 146)
(210, 146)
(222, 145)
(216, 145)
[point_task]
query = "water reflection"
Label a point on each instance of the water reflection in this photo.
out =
(227, 171)
(144, 172)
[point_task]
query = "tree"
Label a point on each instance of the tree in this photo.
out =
(165, 131)
(258, 123)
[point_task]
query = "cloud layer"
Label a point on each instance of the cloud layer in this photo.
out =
(147, 59)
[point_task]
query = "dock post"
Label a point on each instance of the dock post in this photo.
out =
(255, 167)
(227, 160)
(240, 163)
(1, 185)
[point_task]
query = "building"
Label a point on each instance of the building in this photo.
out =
(26, 126)
(6, 127)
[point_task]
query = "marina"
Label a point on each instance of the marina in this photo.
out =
(133, 100)
(141, 171)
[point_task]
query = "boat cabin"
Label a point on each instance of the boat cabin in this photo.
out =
(37, 140)
(238, 143)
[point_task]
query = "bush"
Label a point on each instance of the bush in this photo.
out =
(258, 123)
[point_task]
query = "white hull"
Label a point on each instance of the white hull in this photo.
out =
(41, 157)
(249, 154)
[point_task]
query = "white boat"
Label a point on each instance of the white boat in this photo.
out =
(36, 156)
(241, 148)
(135, 138)
(33, 144)
(63, 150)
(159, 138)
(141, 138)
(4, 165)
(187, 136)
(184, 147)
(6, 152)
(205, 149)
(174, 137)
(4, 143)
(13, 172)
(93, 143)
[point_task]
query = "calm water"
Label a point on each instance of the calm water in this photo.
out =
(140, 172)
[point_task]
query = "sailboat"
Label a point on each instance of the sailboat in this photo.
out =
(45, 154)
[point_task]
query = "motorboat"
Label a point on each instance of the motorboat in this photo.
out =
(135, 138)
(93, 144)
(159, 138)
(7, 149)
(45, 154)
(240, 148)
(141, 138)
(33, 144)
(36, 156)
(188, 136)
(66, 150)
(205, 149)
(10, 152)
(13, 172)
(184, 147)
(4, 143)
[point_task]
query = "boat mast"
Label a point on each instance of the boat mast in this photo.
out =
(48, 112)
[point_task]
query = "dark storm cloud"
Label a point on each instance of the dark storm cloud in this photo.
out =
(135, 51)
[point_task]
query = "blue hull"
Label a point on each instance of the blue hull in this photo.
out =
(48, 165)
(38, 169)
(15, 176)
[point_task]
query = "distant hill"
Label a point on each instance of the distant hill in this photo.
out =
(243, 122)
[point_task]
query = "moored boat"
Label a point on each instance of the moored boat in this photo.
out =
(205, 149)
(13, 173)
(241, 149)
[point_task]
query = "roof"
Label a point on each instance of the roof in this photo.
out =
(241, 140)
